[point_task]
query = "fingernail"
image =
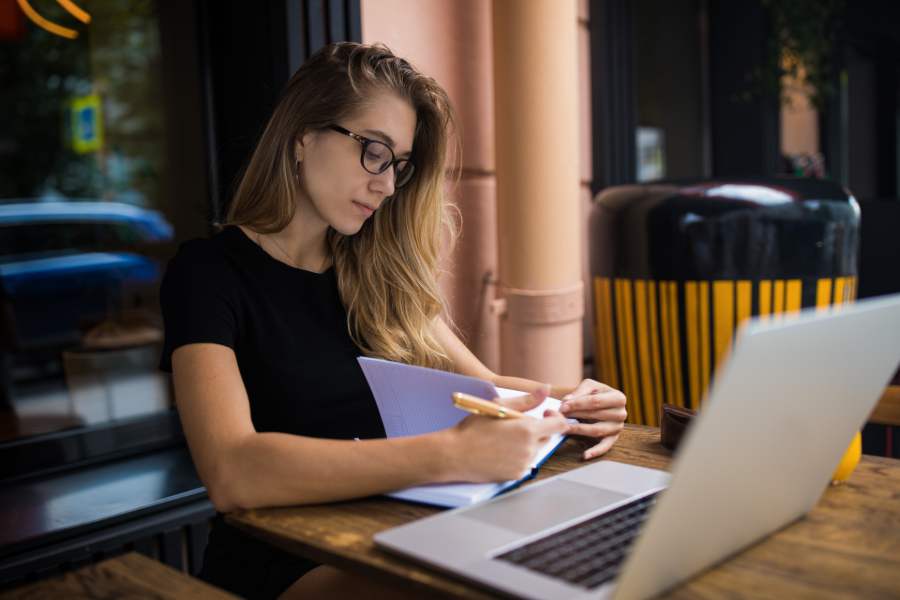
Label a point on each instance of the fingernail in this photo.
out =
(567, 397)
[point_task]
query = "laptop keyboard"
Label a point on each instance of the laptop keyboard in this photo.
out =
(587, 554)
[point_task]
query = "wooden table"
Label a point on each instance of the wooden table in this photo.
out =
(131, 575)
(848, 546)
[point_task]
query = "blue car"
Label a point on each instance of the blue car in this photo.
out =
(66, 265)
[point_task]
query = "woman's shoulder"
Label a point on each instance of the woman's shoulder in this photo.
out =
(203, 258)
(209, 251)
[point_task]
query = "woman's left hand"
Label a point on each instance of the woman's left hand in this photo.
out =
(601, 412)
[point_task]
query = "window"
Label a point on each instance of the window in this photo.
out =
(90, 185)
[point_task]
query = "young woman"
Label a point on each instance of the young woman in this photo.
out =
(330, 251)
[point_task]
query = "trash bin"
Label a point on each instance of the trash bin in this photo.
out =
(676, 267)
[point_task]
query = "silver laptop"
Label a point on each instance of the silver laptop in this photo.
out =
(779, 416)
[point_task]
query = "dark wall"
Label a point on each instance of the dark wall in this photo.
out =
(669, 80)
(745, 129)
(250, 54)
(862, 125)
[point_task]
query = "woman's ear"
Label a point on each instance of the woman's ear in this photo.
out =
(302, 144)
(298, 149)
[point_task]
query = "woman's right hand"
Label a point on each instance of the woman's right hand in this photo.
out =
(489, 449)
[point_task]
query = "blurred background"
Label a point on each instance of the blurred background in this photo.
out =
(123, 124)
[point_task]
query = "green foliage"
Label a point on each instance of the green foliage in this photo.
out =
(802, 46)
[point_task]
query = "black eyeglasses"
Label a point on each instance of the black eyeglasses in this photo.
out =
(377, 157)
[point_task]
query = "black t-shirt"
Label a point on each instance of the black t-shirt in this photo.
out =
(288, 329)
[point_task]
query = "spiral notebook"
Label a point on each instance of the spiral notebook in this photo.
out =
(415, 400)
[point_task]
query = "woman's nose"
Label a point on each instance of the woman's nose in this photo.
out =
(385, 181)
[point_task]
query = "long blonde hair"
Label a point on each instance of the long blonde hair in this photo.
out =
(387, 272)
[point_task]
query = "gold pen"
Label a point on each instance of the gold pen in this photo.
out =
(486, 408)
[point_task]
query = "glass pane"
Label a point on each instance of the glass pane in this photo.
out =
(84, 225)
(668, 86)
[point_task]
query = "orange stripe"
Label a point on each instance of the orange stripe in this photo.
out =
(43, 23)
(632, 353)
(794, 296)
(599, 354)
(693, 342)
(765, 299)
(839, 291)
(675, 340)
(667, 352)
(75, 10)
(648, 401)
(602, 332)
(623, 348)
(823, 295)
(778, 297)
(705, 342)
(610, 339)
(744, 301)
(655, 362)
(723, 322)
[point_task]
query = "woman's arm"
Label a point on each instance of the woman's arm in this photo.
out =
(600, 408)
(242, 468)
(466, 363)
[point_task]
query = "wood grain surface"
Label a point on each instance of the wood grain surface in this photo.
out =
(887, 411)
(848, 546)
(131, 575)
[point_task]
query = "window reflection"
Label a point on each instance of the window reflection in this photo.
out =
(84, 226)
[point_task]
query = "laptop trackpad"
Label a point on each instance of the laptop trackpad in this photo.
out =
(543, 506)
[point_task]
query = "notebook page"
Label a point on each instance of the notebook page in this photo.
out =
(414, 400)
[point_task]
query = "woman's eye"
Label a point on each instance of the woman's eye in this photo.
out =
(376, 153)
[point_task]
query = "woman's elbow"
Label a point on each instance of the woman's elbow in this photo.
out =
(225, 490)
(224, 496)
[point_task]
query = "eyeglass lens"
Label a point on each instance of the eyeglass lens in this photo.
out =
(377, 158)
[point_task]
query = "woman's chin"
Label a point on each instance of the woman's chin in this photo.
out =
(348, 228)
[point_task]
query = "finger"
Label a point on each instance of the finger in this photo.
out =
(600, 449)
(587, 386)
(525, 402)
(609, 414)
(601, 429)
(551, 424)
(609, 399)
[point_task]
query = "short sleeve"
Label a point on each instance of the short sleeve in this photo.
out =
(199, 300)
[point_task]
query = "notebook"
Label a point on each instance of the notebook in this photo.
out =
(415, 400)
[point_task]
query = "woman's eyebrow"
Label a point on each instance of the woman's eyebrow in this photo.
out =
(384, 138)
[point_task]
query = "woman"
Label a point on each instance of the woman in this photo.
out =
(330, 251)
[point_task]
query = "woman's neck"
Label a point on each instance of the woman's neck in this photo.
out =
(304, 241)
(301, 244)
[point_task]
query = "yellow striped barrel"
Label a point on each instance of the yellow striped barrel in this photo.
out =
(660, 341)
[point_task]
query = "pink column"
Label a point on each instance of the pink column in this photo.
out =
(451, 41)
(538, 188)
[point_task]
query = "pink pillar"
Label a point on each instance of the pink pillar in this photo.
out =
(451, 41)
(538, 185)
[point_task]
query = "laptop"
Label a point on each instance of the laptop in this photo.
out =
(777, 419)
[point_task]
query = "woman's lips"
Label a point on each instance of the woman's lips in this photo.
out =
(364, 208)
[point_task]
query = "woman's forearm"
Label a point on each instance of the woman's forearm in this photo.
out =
(277, 469)
(529, 385)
